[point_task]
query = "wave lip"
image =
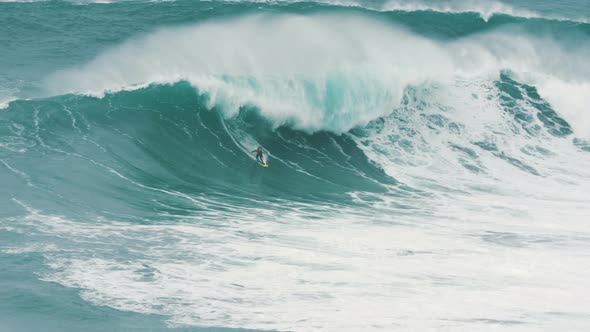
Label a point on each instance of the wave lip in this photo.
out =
(321, 72)
(4, 103)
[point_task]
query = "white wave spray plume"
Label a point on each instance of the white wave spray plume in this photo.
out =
(319, 72)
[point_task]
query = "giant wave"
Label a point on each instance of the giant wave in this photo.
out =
(417, 169)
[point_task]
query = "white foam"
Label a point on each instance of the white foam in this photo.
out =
(571, 99)
(290, 79)
(5, 102)
(491, 251)
(413, 263)
(347, 272)
(319, 72)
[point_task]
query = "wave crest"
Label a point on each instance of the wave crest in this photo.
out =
(322, 72)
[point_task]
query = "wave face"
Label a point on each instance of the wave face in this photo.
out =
(428, 165)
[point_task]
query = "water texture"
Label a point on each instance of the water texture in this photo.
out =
(429, 165)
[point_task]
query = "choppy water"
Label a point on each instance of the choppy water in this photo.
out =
(429, 166)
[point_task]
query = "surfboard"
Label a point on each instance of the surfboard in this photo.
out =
(263, 165)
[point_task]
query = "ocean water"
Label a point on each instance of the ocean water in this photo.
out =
(429, 165)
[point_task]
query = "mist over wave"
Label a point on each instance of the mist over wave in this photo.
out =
(322, 72)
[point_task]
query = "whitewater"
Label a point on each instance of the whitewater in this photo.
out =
(429, 165)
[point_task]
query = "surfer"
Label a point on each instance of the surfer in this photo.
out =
(259, 155)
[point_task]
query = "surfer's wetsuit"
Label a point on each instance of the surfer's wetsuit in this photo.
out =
(259, 155)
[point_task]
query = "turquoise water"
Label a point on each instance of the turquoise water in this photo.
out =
(429, 165)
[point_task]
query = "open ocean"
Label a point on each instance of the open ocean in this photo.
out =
(429, 165)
